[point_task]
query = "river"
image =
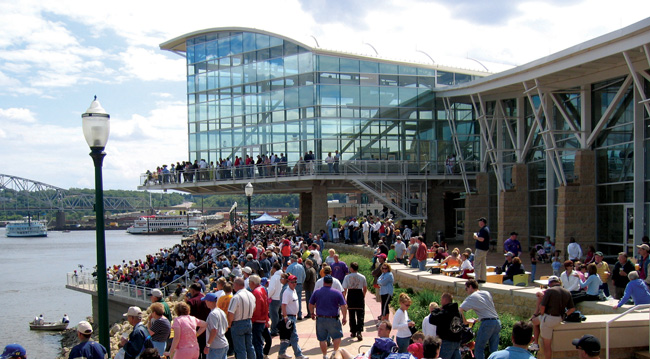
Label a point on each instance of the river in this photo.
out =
(33, 276)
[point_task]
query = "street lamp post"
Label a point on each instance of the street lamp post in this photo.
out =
(96, 127)
(249, 193)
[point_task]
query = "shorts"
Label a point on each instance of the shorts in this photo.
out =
(546, 325)
(328, 327)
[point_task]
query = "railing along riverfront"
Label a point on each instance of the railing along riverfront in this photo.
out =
(304, 169)
(118, 289)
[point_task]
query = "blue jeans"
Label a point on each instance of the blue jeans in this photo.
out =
(488, 332)
(258, 339)
(159, 345)
(533, 270)
(307, 298)
(293, 341)
(299, 292)
(414, 263)
(219, 353)
(274, 313)
(449, 350)
(422, 265)
(403, 344)
(242, 339)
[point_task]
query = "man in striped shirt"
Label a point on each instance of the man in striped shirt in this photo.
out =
(240, 312)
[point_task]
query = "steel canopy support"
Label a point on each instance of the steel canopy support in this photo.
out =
(451, 119)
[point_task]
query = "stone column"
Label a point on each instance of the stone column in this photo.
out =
(304, 211)
(476, 206)
(319, 207)
(576, 205)
(513, 209)
(435, 211)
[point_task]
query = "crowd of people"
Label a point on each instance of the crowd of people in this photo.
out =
(247, 166)
(244, 295)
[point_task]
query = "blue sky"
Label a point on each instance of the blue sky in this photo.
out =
(55, 56)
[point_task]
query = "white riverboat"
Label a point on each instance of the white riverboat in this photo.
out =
(26, 228)
(167, 224)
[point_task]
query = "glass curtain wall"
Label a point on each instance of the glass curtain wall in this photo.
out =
(614, 163)
(253, 93)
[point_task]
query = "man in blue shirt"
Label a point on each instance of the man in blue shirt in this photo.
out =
(513, 245)
(134, 346)
(637, 289)
(298, 270)
(87, 348)
(324, 306)
(522, 335)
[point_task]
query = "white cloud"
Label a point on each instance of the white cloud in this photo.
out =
(16, 114)
(149, 65)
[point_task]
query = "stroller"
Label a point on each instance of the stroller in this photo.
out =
(541, 254)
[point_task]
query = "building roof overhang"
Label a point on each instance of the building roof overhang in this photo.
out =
(570, 67)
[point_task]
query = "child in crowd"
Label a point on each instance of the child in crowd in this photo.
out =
(391, 254)
(556, 263)
(416, 348)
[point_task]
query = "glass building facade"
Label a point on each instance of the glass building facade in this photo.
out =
(252, 93)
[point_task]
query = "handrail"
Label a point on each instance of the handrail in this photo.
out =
(118, 289)
(636, 307)
(297, 169)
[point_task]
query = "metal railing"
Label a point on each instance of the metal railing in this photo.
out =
(633, 309)
(298, 169)
(118, 289)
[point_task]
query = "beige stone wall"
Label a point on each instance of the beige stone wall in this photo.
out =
(476, 206)
(576, 207)
(513, 208)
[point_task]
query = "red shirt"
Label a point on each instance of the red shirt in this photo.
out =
(252, 250)
(421, 254)
(261, 313)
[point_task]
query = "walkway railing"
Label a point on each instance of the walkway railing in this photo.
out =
(119, 289)
(300, 169)
(633, 309)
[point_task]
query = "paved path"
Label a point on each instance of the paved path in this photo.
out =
(310, 345)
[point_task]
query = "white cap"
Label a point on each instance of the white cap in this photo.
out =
(247, 270)
(156, 293)
(133, 312)
(84, 327)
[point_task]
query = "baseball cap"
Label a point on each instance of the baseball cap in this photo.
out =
(133, 312)
(589, 343)
(644, 246)
(382, 255)
(553, 278)
(211, 297)
(264, 281)
(509, 254)
(156, 293)
(328, 279)
(599, 253)
(482, 219)
(84, 327)
(292, 278)
(13, 351)
(247, 270)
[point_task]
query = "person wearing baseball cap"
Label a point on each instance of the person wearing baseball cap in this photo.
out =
(588, 346)
(135, 343)
(14, 351)
(602, 268)
(157, 296)
(289, 312)
(86, 347)
(482, 245)
(556, 302)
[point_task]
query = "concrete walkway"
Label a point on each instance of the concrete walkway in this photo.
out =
(311, 347)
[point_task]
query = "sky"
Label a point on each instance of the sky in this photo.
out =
(56, 55)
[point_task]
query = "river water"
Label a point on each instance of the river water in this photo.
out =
(33, 277)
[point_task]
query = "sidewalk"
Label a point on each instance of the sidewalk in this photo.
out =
(311, 347)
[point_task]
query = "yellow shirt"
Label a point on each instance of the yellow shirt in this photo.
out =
(603, 268)
(224, 302)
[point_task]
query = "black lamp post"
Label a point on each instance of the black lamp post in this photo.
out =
(249, 193)
(96, 127)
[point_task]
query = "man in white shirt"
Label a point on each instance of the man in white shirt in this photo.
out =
(289, 313)
(335, 285)
(275, 288)
(570, 279)
(216, 344)
(240, 312)
(573, 250)
(366, 231)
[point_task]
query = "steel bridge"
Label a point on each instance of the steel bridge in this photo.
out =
(42, 196)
